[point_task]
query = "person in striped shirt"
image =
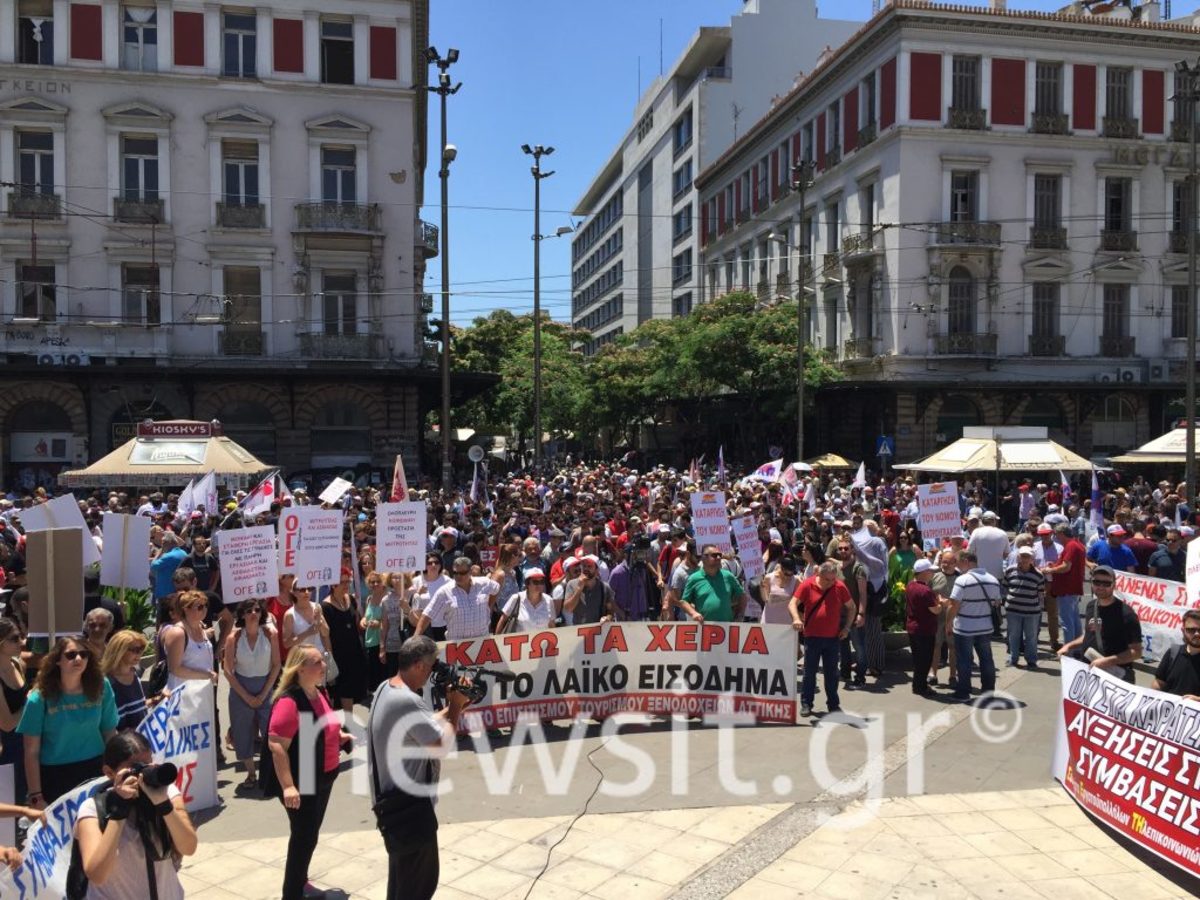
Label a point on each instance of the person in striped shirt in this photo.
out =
(974, 594)
(1024, 597)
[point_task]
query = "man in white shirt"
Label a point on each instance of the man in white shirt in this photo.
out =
(466, 603)
(991, 547)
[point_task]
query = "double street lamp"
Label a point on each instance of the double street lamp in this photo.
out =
(537, 151)
(448, 154)
(1188, 79)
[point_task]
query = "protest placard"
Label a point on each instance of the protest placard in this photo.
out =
(125, 562)
(1127, 755)
(249, 563)
(1192, 578)
(336, 490)
(180, 731)
(749, 547)
(61, 512)
(709, 520)
(400, 535)
(938, 514)
(46, 856)
(310, 545)
(1159, 605)
(54, 567)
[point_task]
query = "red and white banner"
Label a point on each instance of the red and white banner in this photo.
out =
(1129, 757)
(1159, 605)
(600, 670)
(938, 513)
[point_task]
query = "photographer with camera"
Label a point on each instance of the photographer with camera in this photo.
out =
(636, 584)
(404, 790)
(130, 837)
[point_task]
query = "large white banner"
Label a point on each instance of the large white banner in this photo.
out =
(750, 550)
(310, 545)
(180, 731)
(46, 855)
(1192, 577)
(125, 562)
(1159, 605)
(938, 512)
(61, 512)
(600, 670)
(710, 521)
(249, 563)
(400, 535)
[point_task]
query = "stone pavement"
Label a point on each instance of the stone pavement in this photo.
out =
(1011, 844)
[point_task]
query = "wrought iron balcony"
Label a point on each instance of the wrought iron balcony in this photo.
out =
(1118, 240)
(980, 233)
(1049, 123)
(964, 344)
(1178, 242)
(967, 119)
(866, 134)
(718, 72)
(1047, 345)
(341, 346)
(859, 244)
(428, 238)
(763, 290)
(329, 217)
(34, 205)
(831, 264)
(139, 212)
(1121, 127)
(1181, 132)
(1041, 238)
(239, 215)
(1116, 345)
(859, 348)
(783, 285)
(242, 343)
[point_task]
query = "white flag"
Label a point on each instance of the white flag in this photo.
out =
(206, 492)
(187, 499)
(810, 496)
(860, 477)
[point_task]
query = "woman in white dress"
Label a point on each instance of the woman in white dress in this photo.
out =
(778, 586)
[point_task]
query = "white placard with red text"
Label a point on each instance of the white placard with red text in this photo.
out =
(710, 521)
(750, 550)
(937, 507)
(249, 563)
(1193, 571)
(1159, 605)
(310, 545)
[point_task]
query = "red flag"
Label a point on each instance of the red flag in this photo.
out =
(259, 500)
(399, 482)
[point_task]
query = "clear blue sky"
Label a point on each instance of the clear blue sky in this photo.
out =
(562, 73)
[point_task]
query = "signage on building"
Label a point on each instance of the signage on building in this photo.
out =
(176, 429)
(34, 86)
(29, 446)
(1125, 154)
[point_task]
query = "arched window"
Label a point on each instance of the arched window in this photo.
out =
(251, 425)
(962, 302)
(956, 413)
(1045, 412)
(40, 444)
(39, 415)
(1114, 425)
(341, 435)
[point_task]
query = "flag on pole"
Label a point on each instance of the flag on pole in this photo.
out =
(694, 472)
(721, 464)
(475, 487)
(187, 499)
(281, 489)
(259, 500)
(399, 482)
(860, 477)
(1097, 517)
(1066, 488)
(768, 471)
(206, 493)
(810, 496)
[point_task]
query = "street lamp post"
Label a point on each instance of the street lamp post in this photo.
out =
(1191, 77)
(448, 153)
(537, 152)
(802, 177)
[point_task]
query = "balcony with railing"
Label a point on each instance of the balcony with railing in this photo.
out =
(1118, 240)
(1049, 123)
(862, 246)
(866, 134)
(136, 211)
(1181, 132)
(859, 348)
(241, 215)
(242, 343)
(783, 284)
(1047, 238)
(34, 205)
(335, 217)
(723, 72)
(342, 346)
(763, 290)
(1121, 127)
(966, 119)
(969, 233)
(1177, 242)
(964, 344)
(831, 264)
(1118, 346)
(428, 238)
(1047, 345)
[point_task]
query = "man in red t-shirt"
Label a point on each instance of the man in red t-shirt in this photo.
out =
(921, 622)
(1066, 583)
(826, 609)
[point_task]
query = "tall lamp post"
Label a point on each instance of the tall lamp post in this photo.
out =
(448, 154)
(537, 151)
(1190, 77)
(802, 179)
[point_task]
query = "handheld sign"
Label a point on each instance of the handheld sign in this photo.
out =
(249, 563)
(750, 550)
(937, 506)
(54, 563)
(336, 490)
(310, 545)
(709, 520)
(400, 535)
(125, 562)
(61, 512)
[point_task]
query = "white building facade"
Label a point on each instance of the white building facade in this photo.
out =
(634, 257)
(998, 220)
(210, 212)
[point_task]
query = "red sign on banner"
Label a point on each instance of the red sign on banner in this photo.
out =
(178, 429)
(488, 557)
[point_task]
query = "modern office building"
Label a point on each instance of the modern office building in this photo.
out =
(996, 231)
(634, 257)
(211, 212)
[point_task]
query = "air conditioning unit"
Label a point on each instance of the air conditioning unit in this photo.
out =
(1106, 377)
(427, 303)
(76, 359)
(1160, 370)
(1129, 375)
(50, 359)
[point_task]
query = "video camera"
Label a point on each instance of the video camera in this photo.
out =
(446, 678)
(639, 551)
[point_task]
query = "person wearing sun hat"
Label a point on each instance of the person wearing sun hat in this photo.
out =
(921, 622)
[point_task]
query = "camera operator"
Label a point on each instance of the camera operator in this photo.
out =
(119, 825)
(404, 812)
(636, 585)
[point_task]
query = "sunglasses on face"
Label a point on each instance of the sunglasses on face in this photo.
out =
(1192, 630)
(713, 555)
(1103, 584)
(72, 655)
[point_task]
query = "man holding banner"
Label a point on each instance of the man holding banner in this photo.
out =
(1112, 633)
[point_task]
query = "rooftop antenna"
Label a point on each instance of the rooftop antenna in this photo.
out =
(660, 46)
(737, 111)
(874, 7)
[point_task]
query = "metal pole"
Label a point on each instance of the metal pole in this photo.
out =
(447, 461)
(800, 333)
(537, 312)
(1189, 476)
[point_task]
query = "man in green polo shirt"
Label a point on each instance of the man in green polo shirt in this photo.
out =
(713, 594)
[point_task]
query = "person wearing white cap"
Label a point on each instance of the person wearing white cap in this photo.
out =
(921, 622)
(1112, 552)
(1024, 593)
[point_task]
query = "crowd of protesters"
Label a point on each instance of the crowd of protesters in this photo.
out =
(843, 561)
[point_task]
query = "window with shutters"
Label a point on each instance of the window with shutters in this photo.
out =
(962, 302)
(1181, 217)
(1118, 204)
(35, 162)
(36, 297)
(1048, 89)
(140, 298)
(832, 228)
(337, 52)
(682, 223)
(139, 169)
(681, 267)
(239, 41)
(1118, 92)
(964, 196)
(866, 208)
(681, 132)
(338, 175)
(1179, 310)
(35, 32)
(340, 303)
(1116, 311)
(1182, 107)
(831, 322)
(834, 131)
(681, 180)
(239, 165)
(1045, 309)
(1047, 201)
(866, 106)
(965, 83)
(139, 38)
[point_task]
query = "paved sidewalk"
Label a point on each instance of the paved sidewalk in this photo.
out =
(1013, 844)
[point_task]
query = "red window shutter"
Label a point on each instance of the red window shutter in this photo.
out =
(887, 94)
(1008, 92)
(821, 142)
(925, 87)
(189, 38)
(87, 32)
(383, 53)
(850, 121)
(289, 45)
(1153, 81)
(1083, 98)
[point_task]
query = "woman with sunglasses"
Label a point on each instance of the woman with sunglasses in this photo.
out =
(372, 630)
(120, 664)
(777, 589)
(14, 688)
(189, 653)
(251, 663)
(425, 585)
(67, 719)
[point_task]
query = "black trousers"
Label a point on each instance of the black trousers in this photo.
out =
(413, 869)
(922, 657)
(58, 780)
(305, 824)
